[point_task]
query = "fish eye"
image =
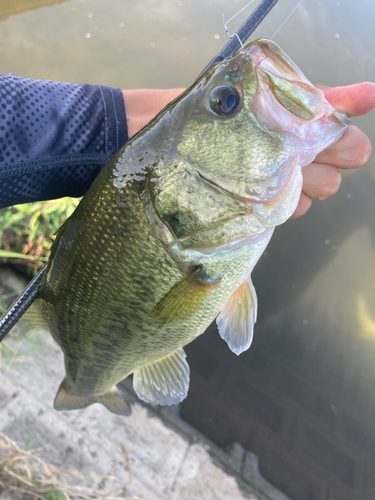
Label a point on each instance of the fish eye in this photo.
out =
(224, 100)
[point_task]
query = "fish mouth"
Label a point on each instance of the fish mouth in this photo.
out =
(285, 100)
(267, 55)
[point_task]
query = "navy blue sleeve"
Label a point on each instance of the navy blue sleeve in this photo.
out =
(55, 137)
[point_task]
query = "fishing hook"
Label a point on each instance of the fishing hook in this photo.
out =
(226, 23)
(234, 34)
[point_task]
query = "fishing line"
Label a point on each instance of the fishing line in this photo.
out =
(239, 12)
(279, 28)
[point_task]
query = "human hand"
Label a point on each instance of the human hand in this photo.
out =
(322, 178)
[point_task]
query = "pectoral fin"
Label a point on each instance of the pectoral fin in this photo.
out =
(184, 297)
(164, 382)
(236, 320)
(112, 400)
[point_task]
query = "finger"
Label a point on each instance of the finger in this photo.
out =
(303, 205)
(354, 100)
(352, 150)
(320, 181)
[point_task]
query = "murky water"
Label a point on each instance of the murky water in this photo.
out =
(303, 397)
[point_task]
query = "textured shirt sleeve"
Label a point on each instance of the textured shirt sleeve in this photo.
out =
(55, 137)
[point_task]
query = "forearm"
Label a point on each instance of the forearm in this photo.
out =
(142, 105)
(55, 137)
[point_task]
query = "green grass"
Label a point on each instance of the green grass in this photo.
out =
(27, 231)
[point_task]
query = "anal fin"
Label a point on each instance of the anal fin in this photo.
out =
(236, 320)
(164, 382)
(113, 400)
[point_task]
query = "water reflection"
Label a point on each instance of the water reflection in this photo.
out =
(302, 398)
(365, 322)
(18, 6)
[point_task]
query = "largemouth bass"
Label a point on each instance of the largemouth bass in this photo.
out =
(167, 236)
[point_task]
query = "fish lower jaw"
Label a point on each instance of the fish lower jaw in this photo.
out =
(236, 244)
(196, 254)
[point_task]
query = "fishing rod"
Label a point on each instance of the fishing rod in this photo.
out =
(24, 301)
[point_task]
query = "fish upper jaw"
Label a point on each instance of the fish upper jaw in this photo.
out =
(287, 103)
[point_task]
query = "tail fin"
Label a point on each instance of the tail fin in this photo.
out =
(113, 400)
